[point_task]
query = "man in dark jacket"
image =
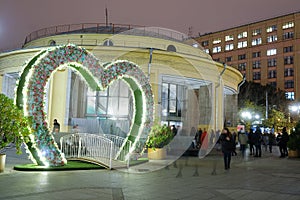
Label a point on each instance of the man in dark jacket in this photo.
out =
(283, 143)
(257, 138)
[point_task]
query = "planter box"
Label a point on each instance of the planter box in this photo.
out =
(2, 162)
(293, 154)
(157, 154)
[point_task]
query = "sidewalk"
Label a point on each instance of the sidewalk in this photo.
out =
(268, 177)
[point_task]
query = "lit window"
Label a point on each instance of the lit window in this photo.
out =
(242, 35)
(290, 95)
(242, 44)
(288, 25)
(217, 49)
(206, 51)
(272, 38)
(228, 37)
(271, 52)
(256, 32)
(217, 41)
(228, 47)
(256, 41)
(271, 28)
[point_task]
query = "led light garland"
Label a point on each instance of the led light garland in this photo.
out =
(95, 75)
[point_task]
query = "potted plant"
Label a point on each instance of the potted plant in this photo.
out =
(14, 127)
(159, 137)
(294, 141)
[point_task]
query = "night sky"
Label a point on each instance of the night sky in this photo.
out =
(20, 17)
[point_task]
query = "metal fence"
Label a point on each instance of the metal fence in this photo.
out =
(96, 148)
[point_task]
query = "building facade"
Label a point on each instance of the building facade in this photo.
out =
(266, 52)
(189, 88)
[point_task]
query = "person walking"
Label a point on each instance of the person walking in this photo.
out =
(283, 143)
(227, 143)
(257, 138)
(251, 142)
(243, 139)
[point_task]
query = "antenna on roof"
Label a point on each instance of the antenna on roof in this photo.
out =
(106, 16)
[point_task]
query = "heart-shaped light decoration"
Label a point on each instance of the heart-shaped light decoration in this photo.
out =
(36, 75)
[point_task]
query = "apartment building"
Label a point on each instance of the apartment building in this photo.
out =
(266, 52)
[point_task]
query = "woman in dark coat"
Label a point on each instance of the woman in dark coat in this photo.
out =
(227, 143)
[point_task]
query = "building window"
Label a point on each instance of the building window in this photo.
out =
(256, 64)
(228, 59)
(272, 38)
(271, 52)
(256, 54)
(228, 47)
(272, 74)
(228, 38)
(288, 35)
(242, 66)
(172, 98)
(242, 35)
(256, 75)
(288, 60)
(288, 72)
(204, 43)
(256, 32)
(217, 49)
(287, 49)
(206, 51)
(242, 57)
(256, 41)
(171, 48)
(242, 44)
(116, 102)
(217, 41)
(288, 84)
(273, 84)
(271, 28)
(108, 43)
(217, 59)
(288, 25)
(272, 62)
(290, 95)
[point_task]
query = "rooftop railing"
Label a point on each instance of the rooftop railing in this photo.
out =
(103, 28)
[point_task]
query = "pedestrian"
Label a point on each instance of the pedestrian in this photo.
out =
(227, 143)
(56, 126)
(257, 138)
(283, 143)
(271, 141)
(235, 143)
(243, 139)
(250, 140)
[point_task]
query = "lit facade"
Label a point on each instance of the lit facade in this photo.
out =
(190, 89)
(266, 52)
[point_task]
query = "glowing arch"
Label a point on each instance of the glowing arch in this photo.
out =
(36, 75)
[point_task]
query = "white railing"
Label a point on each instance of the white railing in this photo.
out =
(96, 148)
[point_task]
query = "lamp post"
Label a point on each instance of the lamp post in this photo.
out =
(250, 118)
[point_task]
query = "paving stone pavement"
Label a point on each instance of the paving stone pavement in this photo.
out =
(268, 177)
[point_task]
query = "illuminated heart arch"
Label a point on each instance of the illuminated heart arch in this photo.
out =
(33, 84)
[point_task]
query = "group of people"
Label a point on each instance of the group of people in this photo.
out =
(255, 139)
